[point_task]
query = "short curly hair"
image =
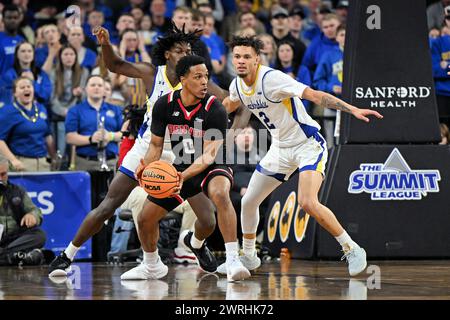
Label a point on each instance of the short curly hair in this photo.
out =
(252, 41)
(168, 40)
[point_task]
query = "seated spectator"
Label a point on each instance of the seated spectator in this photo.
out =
(125, 22)
(112, 97)
(86, 57)
(24, 66)
(82, 127)
(25, 136)
(440, 57)
(119, 83)
(137, 14)
(285, 59)
(243, 160)
(95, 18)
(215, 45)
(12, 17)
(280, 33)
(69, 79)
(249, 20)
(160, 22)
(269, 52)
(324, 42)
(328, 78)
(132, 49)
(296, 18)
(445, 134)
(145, 32)
(21, 238)
(52, 38)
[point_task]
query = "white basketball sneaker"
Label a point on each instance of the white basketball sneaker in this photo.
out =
(236, 270)
(146, 271)
(356, 259)
(250, 262)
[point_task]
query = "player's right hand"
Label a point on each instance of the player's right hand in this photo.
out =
(179, 186)
(139, 171)
(102, 35)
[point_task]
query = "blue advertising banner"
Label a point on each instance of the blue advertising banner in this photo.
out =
(65, 199)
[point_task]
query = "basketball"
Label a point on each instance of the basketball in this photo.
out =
(159, 179)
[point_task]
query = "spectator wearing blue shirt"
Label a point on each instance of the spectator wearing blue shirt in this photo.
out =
(69, 79)
(158, 11)
(24, 66)
(440, 55)
(52, 38)
(285, 59)
(87, 6)
(328, 78)
(325, 42)
(125, 22)
(215, 44)
(82, 127)
(25, 136)
(12, 17)
(86, 57)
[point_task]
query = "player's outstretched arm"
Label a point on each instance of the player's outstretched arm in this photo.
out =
(326, 100)
(116, 64)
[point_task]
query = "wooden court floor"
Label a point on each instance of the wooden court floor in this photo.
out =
(275, 280)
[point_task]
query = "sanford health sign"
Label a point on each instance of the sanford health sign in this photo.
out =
(393, 180)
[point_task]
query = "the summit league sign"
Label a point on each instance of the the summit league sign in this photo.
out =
(393, 180)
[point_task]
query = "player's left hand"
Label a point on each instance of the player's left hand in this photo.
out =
(139, 171)
(177, 189)
(362, 114)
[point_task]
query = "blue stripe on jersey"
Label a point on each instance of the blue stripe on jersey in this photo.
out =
(279, 176)
(127, 172)
(262, 86)
(143, 129)
(309, 131)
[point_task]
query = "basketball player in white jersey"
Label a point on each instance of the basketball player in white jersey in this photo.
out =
(274, 98)
(159, 80)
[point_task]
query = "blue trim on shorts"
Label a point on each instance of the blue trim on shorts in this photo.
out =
(127, 172)
(313, 167)
(279, 176)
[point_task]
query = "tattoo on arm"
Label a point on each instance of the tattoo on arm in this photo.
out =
(333, 103)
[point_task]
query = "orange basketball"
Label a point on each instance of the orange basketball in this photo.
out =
(159, 179)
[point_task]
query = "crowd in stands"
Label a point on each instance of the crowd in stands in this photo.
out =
(48, 59)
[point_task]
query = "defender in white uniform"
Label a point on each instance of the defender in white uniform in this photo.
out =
(132, 159)
(274, 98)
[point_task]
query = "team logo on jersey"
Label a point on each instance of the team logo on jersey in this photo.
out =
(393, 180)
(286, 216)
(300, 223)
(110, 114)
(272, 222)
(175, 113)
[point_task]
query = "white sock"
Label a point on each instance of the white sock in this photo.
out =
(249, 246)
(71, 251)
(151, 257)
(195, 243)
(231, 250)
(346, 242)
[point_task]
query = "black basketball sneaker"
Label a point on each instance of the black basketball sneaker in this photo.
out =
(60, 266)
(206, 259)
